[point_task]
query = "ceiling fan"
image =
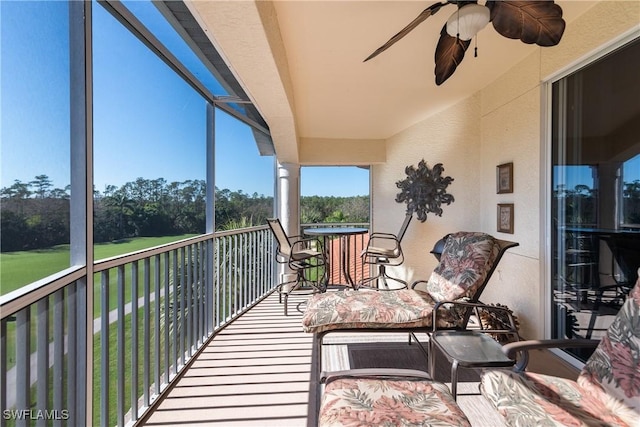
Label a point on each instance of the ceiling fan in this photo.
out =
(538, 22)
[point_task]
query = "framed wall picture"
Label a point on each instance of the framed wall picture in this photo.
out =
(505, 218)
(504, 181)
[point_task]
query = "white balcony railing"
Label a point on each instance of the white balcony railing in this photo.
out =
(153, 311)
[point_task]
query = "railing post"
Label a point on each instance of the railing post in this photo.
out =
(167, 299)
(134, 340)
(42, 367)
(210, 282)
(72, 350)
(146, 331)
(120, 350)
(104, 348)
(58, 348)
(3, 369)
(23, 361)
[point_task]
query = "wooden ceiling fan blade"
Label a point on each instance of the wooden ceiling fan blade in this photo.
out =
(538, 22)
(431, 10)
(449, 54)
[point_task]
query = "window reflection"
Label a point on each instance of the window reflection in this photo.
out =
(631, 192)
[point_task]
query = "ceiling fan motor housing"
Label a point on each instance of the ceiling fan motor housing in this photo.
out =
(467, 21)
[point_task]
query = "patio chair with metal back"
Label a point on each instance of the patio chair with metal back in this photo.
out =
(384, 250)
(303, 256)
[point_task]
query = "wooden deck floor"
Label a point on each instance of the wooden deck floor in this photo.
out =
(257, 372)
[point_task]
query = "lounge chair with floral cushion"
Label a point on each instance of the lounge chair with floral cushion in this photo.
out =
(404, 397)
(387, 397)
(467, 261)
(606, 393)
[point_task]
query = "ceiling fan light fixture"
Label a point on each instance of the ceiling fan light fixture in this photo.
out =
(467, 21)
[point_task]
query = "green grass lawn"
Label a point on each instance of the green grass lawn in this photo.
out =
(21, 268)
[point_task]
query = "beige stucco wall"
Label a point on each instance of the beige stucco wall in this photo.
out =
(511, 132)
(452, 138)
(502, 123)
(334, 152)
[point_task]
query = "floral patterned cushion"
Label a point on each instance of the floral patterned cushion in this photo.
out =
(466, 259)
(388, 402)
(539, 400)
(614, 366)
(403, 308)
(465, 262)
(607, 392)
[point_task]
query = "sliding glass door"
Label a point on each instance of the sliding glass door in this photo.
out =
(595, 202)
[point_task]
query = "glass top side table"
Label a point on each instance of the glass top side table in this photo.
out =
(469, 349)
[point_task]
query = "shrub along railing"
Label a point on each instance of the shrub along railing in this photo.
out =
(153, 311)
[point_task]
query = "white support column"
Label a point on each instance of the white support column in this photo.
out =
(288, 209)
(289, 197)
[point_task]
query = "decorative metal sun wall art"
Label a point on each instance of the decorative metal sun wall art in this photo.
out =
(424, 190)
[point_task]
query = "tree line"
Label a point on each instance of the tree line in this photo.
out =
(36, 215)
(580, 203)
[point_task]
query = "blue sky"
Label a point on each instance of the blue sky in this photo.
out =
(334, 181)
(147, 121)
(147, 125)
(35, 93)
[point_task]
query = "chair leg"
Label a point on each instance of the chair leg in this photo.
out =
(295, 284)
(286, 300)
(299, 282)
(367, 280)
(319, 338)
(382, 276)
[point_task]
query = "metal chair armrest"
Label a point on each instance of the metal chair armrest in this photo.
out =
(515, 347)
(377, 242)
(379, 234)
(383, 237)
(302, 238)
(413, 285)
(282, 258)
(523, 347)
(305, 241)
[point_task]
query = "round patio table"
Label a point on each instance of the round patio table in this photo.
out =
(344, 233)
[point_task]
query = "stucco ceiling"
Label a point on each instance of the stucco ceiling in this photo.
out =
(316, 50)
